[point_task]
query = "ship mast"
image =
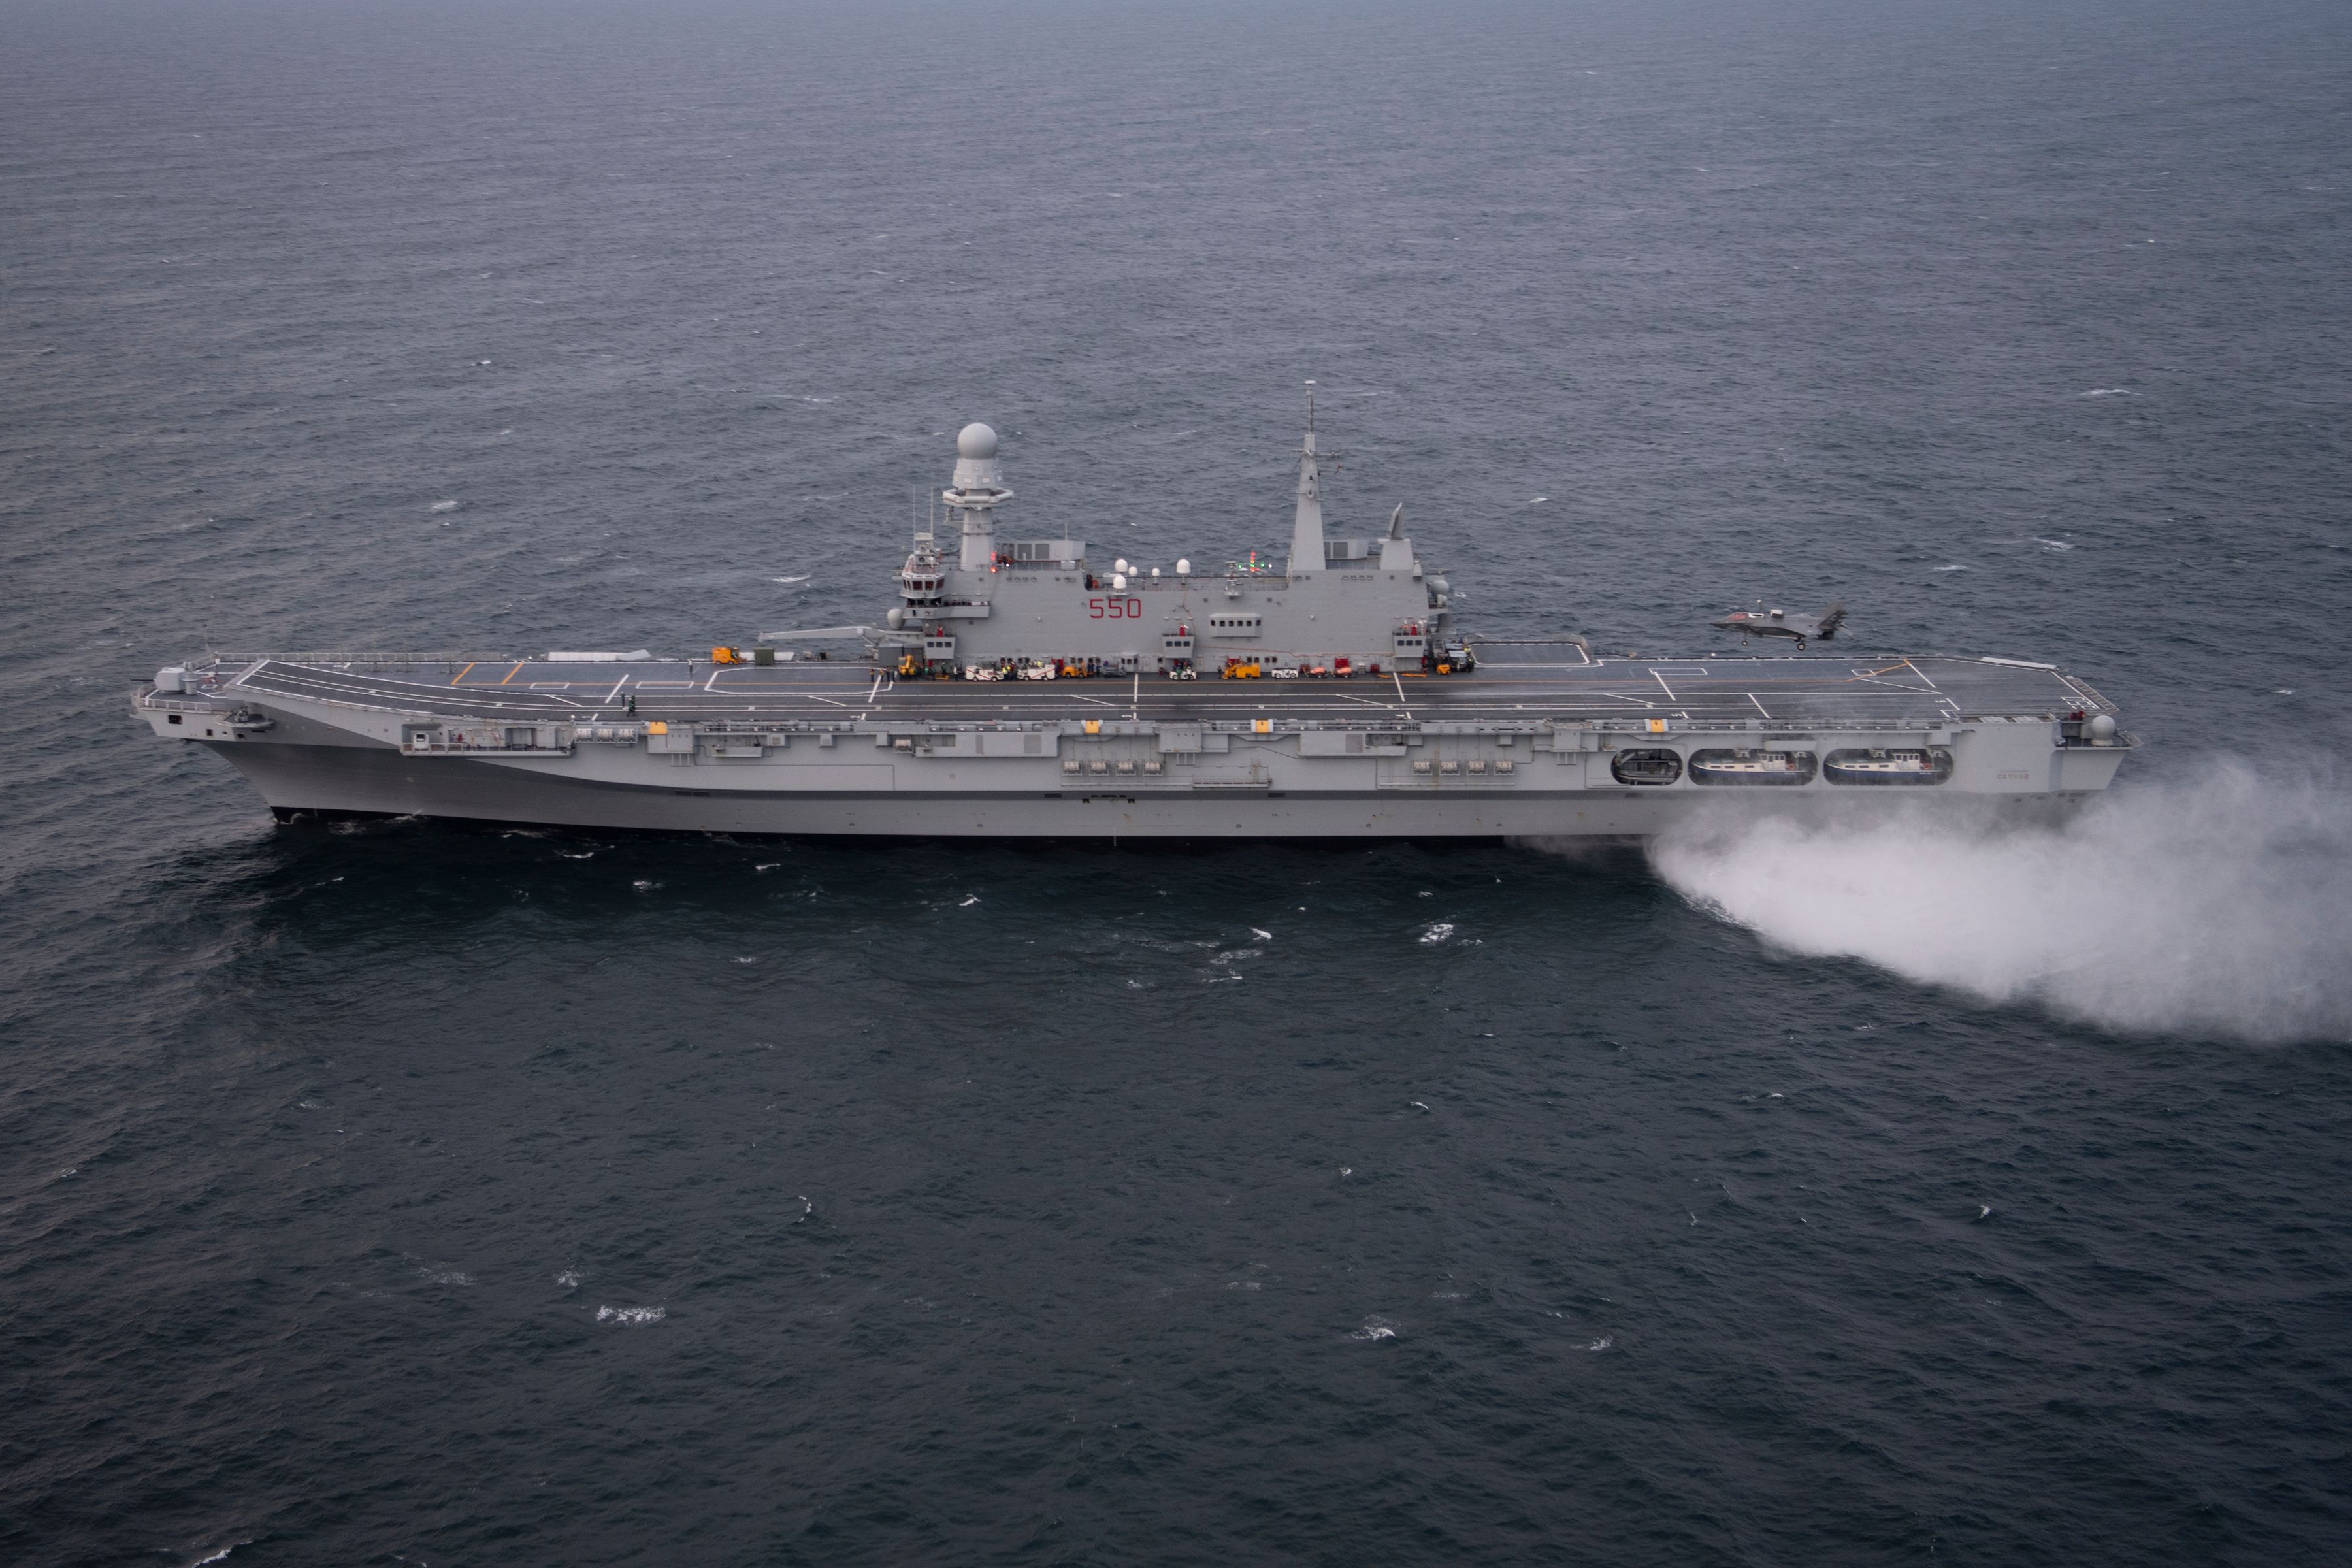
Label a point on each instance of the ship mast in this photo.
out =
(1307, 528)
(978, 491)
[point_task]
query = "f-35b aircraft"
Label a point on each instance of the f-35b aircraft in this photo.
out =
(1765, 623)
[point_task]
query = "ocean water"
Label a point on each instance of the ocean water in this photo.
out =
(1933, 1189)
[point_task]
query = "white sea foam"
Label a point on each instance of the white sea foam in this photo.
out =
(569, 1279)
(1436, 933)
(2218, 907)
(2053, 545)
(1376, 1328)
(442, 506)
(217, 1556)
(1953, 568)
(1603, 1344)
(631, 1317)
(1257, 935)
(2108, 391)
(445, 1276)
(788, 581)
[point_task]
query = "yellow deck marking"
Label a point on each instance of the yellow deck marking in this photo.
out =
(459, 676)
(515, 671)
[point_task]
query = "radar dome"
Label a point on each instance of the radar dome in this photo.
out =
(975, 440)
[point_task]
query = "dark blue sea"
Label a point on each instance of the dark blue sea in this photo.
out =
(1934, 1190)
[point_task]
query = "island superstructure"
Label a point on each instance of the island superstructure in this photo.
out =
(1023, 688)
(978, 607)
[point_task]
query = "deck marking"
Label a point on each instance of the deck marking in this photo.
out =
(711, 684)
(609, 696)
(515, 671)
(459, 676)
(1402, 702)
(1661, 681)
(1759, 706)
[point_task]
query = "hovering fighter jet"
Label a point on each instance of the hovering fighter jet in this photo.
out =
(1765, 623)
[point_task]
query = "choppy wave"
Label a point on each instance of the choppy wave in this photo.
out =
(631, 1317)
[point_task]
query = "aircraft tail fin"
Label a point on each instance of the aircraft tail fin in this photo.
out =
(1832, 618)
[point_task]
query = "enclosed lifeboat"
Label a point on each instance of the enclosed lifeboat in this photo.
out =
(1888, 765)
(1746, 765)
(1650, 765)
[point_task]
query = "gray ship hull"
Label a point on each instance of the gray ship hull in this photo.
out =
(1550, 744)
(345, 781)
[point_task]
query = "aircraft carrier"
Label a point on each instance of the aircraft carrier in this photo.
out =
(1025, 688)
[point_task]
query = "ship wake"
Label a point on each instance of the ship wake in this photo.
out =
(2220, 907)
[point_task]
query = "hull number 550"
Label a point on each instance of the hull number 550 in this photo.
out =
(1115, 609)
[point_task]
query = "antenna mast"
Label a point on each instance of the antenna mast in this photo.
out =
(1306, 525)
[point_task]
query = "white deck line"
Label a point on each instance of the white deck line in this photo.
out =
(1404, 703)
(1662, 682)
(614, 695)
(1759, 705)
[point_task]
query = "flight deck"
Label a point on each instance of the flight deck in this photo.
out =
(1512, 684)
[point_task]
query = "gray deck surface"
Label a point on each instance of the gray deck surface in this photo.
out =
(1812, 689)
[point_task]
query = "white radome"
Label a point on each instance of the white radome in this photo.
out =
(976, 440)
